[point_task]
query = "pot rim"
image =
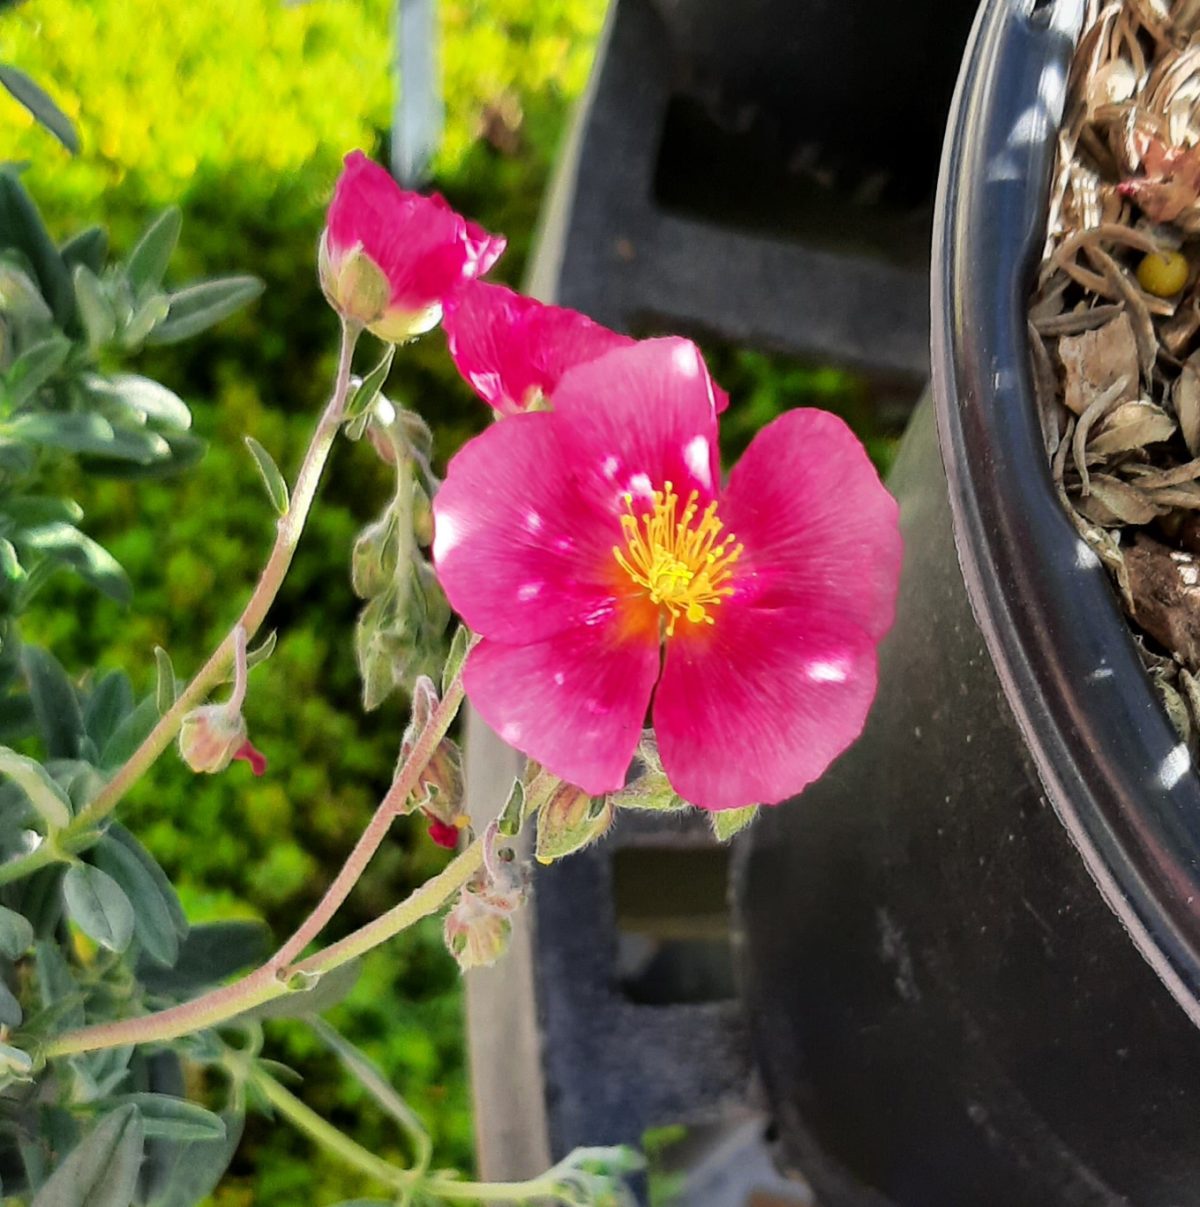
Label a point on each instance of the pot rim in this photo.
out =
(1113, 768)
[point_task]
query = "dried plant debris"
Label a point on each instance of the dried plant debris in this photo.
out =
(1114, 326)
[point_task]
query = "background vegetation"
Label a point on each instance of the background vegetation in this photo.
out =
(240, 111)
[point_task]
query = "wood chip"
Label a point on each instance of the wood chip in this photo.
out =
(1165, 585)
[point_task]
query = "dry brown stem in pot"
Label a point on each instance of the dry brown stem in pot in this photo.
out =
(1114, 325)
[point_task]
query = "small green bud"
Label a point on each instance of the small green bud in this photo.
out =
(570, 820)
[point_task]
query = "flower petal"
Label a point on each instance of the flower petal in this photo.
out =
(506, 345)
(637, 417)
(820, 531)
(754, 707)
(520, 553)
(575, 702)
(423, 247)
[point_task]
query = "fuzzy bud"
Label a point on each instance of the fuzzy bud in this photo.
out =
(569, 821)
(476, 934)
(211, 737)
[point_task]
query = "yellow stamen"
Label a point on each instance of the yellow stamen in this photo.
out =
(676, 557)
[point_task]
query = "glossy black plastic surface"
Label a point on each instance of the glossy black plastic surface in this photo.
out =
(964, 951)
(1114, 768)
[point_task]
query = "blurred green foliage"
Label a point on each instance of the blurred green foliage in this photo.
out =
(239, 111)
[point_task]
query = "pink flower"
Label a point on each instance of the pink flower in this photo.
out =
(607, 572)
(391, 259)
(513, 350)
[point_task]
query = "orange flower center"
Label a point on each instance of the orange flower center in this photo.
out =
(679, 558)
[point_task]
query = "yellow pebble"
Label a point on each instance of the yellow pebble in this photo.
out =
(1163, 273)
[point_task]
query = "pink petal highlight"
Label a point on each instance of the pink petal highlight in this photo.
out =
(519, 551)
(638, 417)
(753, 708)
(421, 245)
(483, 249)
(575, 702)
(820, 531)
(509, 347)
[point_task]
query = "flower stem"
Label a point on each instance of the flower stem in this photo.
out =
(322, 1132)
(435, 1186)
(274, 978)
(402, 788)
(287, 538)
(429, 897)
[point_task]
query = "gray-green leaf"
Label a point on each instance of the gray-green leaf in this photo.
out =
(55, 704)
(166, 1117)
(91, 561)
(110, 702)
(90, 434)
(95, 310)
(181, 1175)
(153, 912)
(99, 906)
(51, 802)
(262, 651)
(16, 933)
(148, 399)
(277, 489)
(89, 247)
(10, 1008)
(21, 226)
(41, 104)
(147, 262)
(198, 307)
(457, 656)
(102, 1170)
(34, 367)
(368, 389)
(164, 691)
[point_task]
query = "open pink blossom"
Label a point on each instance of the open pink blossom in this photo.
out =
(608, 573)
(513, 350)
(391, 259)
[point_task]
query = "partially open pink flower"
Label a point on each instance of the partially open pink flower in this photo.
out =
(513, 350)
(391, 259)
(594, 551)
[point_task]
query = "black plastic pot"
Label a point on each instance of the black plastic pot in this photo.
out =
(971, 954)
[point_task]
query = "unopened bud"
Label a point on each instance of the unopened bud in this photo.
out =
(476, 934)
(210, 736)
(570, 820)
(355, 286)
(422, 516)
(373, 562)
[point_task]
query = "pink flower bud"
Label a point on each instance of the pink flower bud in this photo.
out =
(390, 259)
(211, 737)
(476, 932)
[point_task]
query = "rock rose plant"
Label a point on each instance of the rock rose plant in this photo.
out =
(650, 633)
